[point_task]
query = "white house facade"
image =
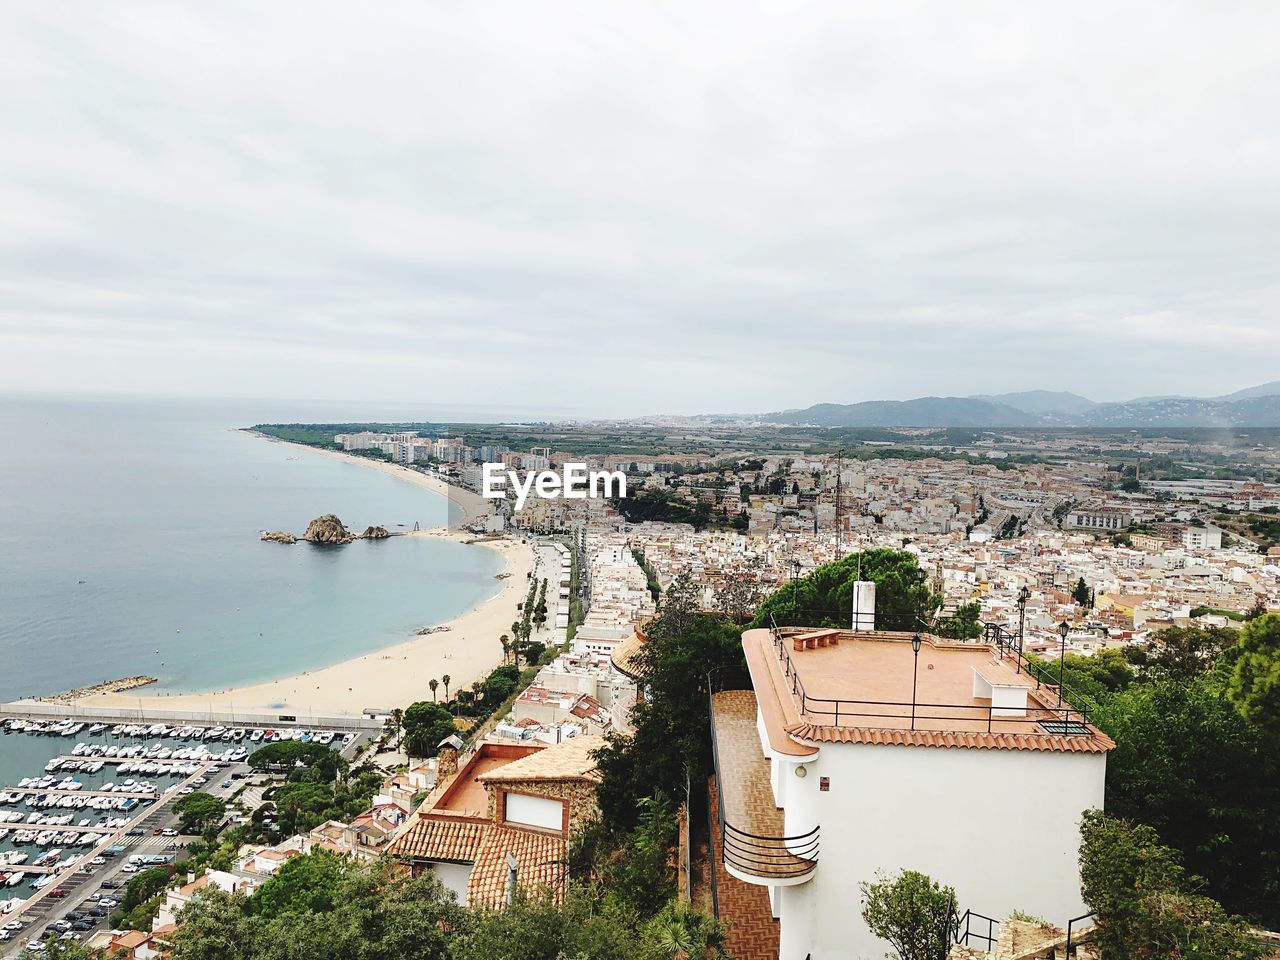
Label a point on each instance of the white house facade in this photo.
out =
(858, 753)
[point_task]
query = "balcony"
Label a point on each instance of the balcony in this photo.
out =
(754, 843)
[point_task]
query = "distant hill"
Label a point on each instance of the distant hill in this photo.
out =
(1038, 402)
(1262, 390)
(1263, 411)
(922, 412)
(1254, 407)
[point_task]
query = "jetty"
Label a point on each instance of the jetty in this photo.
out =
(55, 792)
(109, 686)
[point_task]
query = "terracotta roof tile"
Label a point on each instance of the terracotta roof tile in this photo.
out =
(432, 839)
(570, 760)
(541, 867)
(819, 733)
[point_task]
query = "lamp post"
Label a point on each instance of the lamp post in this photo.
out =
(1023, 596)
(1063, 629)
(915, 675)
(795, 575)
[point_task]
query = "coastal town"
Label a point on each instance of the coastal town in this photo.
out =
(1042, 564)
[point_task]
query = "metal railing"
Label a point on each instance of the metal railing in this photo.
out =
(772, 858)
(766, 857)
(963, 930)
(1067, 719)
(1073, 931)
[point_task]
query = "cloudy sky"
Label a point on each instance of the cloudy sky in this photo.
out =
(639, 207)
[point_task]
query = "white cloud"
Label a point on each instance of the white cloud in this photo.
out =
(691, 207)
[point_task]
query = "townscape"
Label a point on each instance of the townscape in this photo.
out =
(639, 481)
(1023, 580)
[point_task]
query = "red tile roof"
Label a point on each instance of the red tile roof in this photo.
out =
(934, 738)
(541, 858)
(432, 839)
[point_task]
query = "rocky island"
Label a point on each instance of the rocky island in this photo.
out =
(328, 530)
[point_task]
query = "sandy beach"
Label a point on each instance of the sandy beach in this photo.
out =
(473, 505)
(393, 676)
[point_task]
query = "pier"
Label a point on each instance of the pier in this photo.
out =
(165, 762)
(59, 828)
(54, 792)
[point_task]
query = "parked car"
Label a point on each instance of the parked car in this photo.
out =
(57, 894)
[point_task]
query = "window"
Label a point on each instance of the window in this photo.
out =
(541, 812)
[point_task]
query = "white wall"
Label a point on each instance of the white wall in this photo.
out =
(454, 876)
(1000, 826)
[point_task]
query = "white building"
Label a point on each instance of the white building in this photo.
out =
(1207, 537)
(853, 756)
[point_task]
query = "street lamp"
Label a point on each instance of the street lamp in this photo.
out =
(1063, 629)
(1023, 596)
(915, 675)
(795, 589)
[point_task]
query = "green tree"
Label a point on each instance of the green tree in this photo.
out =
(292, 753)
(672, 741)
(426, 723)
(910, 911)
(199, 810)
(1207, 780)
(1182, 653)
(397, 715)
(824, 598)
(1144, 904)
(1255, 679)
(306, 883)
(964, 624)
(1081, 595)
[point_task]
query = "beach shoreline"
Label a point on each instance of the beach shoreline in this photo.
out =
(390, 677)
(473, 506)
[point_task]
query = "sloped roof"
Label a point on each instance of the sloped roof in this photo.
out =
(432, 839)
(819, 733)
(541, 867)
(570, 760)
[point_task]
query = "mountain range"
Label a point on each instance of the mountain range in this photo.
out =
(1252, 407)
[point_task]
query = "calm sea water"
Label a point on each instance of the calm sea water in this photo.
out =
(129, 544)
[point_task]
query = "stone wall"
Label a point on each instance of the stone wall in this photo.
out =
(579, 797)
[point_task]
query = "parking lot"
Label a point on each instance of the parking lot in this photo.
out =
(76, 909)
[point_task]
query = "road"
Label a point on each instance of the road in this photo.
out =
(142, 839)
(548, 567)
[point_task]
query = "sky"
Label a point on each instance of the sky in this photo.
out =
(631, 208)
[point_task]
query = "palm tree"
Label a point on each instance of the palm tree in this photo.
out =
(445, 681)
(506, 647)
(433, 683)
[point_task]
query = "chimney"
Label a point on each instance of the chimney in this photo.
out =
(447, 758)
(864, 605)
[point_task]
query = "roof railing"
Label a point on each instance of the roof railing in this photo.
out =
(1062, 719)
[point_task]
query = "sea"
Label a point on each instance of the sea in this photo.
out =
(129, 544)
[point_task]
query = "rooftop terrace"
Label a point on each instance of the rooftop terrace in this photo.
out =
(873, 687)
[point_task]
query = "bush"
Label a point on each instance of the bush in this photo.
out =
(1144, 904)
(911, 912)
